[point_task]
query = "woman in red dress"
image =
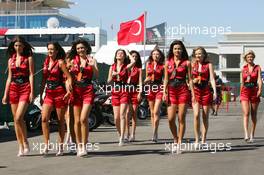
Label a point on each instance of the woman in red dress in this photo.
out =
(202, 73)
(84, 67)
(118, 74)
(20, 87)
(69, 117)
(154, 76)
(135, 83)
(55, 93)
(176, 91)
(250, 92)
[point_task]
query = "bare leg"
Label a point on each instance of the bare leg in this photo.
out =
(181, 119)
(205, 123)
(196, 113)
(254, 111)
(171, 118)
(117, 118)
(151, 107)
(46, 111)
(156, 118)
(245, 109)
(17, 126)
(18, 111)
(67, 120)
(86, 109)
(123, 110)
(61, 128)
(71, 124)
(128, 114)
(77, 127)
(134, 121)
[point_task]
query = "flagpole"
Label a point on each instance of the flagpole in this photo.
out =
(25, 18)
(145, 32)
(165, 39)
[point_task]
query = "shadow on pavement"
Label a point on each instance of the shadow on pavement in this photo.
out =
(127, 153)
(7, 135)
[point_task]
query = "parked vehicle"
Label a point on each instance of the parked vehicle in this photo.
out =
(33, 117)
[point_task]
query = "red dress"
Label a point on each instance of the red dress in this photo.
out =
(119, 93)
(202, 91)
(20, 87)
(55, 90)
(134, 80)
(155, 91)
(178, 92)
(83, 91)
(250, 89)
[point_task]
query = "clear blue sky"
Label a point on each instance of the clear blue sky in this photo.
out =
(241, 16)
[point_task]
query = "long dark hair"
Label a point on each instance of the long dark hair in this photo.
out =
(27, 50)
(184, 54)
(138, 61)
(61, 53)
(126, 60)
(162, 57)
(73, 51)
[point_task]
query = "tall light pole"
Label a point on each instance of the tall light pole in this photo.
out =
(16, 16)
(19, 14)
(25, 18)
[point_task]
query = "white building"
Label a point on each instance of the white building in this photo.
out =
(227, 55)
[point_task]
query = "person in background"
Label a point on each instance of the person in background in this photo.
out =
(135, 90)
(217, 102)
(70, 139)
(154, 76)
(84, 67)
(250, 92)
(20, 87)
(176, 91)
(118, 75)
(202, 73)
(55, 93)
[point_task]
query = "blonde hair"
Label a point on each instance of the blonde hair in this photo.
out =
(249, 52)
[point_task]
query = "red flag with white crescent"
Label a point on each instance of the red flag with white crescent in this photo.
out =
(131, 31)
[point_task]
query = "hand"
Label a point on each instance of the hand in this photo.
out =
(127, 53)
(66, 96)
(41, 100)
(214, 96)
(195, 80)
(139, 97)
(68, 85)
(147, 80)
(4, 100)
(133, 60)
(114, 73)
(91, 62)
(164, 97)
(31, 97)
(259, 93)
(193, 99)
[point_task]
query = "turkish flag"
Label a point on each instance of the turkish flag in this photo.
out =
(131, 31)
(3, 31)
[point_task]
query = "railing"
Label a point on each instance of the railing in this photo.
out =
(21, 12)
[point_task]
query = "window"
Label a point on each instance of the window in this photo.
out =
(2, 41)
(233, 61)
(88, 37)
(63, 39)
(38, 40)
